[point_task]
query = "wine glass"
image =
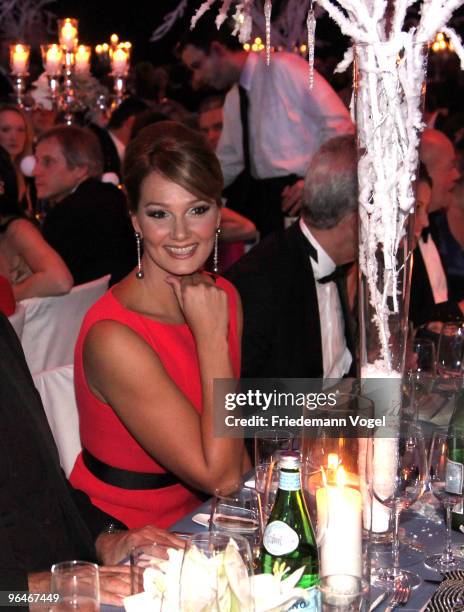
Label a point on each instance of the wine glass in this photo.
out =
(77, 584)
(446, 478)
(216, 573)
(268, 441)
(450, 352)
(238, 513)
(406, 483)
(421, 372)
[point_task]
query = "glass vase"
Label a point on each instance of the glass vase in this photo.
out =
(389, 87)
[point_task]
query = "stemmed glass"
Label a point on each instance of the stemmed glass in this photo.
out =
(216, 574)
(77, 584)
(237, 513)
(421, 368)
(446, 477)
(450, 351)
(408, 478)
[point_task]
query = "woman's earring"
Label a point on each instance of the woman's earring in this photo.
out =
(215, 255)
(138, 238)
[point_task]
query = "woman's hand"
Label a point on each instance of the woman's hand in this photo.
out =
(203, 305)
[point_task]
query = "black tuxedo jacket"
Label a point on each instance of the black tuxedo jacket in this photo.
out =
(92, 232)
(282, 334)
(43, 520)
(422, 307)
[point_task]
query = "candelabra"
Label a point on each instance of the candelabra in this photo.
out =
(67, 67)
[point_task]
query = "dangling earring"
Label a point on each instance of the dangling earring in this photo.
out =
(215, 254)
(138, 238)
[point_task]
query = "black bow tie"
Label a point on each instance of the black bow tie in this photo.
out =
(425, 234)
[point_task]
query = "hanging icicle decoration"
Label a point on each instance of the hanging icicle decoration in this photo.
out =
(267, 16)
(311, 26)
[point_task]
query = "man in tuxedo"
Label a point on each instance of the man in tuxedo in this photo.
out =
(292, 284)
(43, 520)
(430, 289)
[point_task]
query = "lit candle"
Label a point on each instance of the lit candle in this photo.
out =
(119, 62)
(82, 59)
(53, 56)
(68, 34)
(339, 516)
(20, 59)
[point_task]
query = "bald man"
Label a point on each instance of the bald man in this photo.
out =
(433, 296)
(438, 155)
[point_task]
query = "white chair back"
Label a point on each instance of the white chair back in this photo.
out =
(17, 319)
(56, 388)
(52, 325)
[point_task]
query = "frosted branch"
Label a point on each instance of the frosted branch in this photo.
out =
(168, 21)
(456, 42)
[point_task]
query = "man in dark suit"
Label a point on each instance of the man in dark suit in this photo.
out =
(292, 284)
(43, 520)
(429, 284)
(88, 223)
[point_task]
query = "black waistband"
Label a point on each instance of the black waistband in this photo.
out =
(126, 479)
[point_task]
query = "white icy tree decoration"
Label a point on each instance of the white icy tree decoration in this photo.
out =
(19, 17)
(392, 72)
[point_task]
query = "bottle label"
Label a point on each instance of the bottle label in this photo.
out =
(289, 481)
(280, 539)
(454, 477)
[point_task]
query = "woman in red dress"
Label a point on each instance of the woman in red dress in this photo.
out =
(149, 350)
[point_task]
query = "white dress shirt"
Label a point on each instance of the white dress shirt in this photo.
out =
(287, 121)
(336, 357)
(435, 271)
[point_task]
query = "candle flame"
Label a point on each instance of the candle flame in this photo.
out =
(341, 477)
(324, 477)
(332, 461)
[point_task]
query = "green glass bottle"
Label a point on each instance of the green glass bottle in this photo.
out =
(456, 455)
(289, 540)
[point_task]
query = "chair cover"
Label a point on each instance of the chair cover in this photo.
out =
(56, 388)
(52, 325)
(17, 320)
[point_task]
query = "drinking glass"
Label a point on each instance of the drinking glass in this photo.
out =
(266, 485)
(216, 573)
(268, 441)
(77, 584)
(421, 363)
(238, 513)
(408, 478)
(446, 479)
(450, 351)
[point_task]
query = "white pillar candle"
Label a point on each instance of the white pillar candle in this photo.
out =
(68, 34)
(20, 59)
(82, 59)
(339, 518)
(119, 62)
(53, 60)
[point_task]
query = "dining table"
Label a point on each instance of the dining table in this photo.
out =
(418, 533)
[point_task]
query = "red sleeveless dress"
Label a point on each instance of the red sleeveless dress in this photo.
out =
(105, 436)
